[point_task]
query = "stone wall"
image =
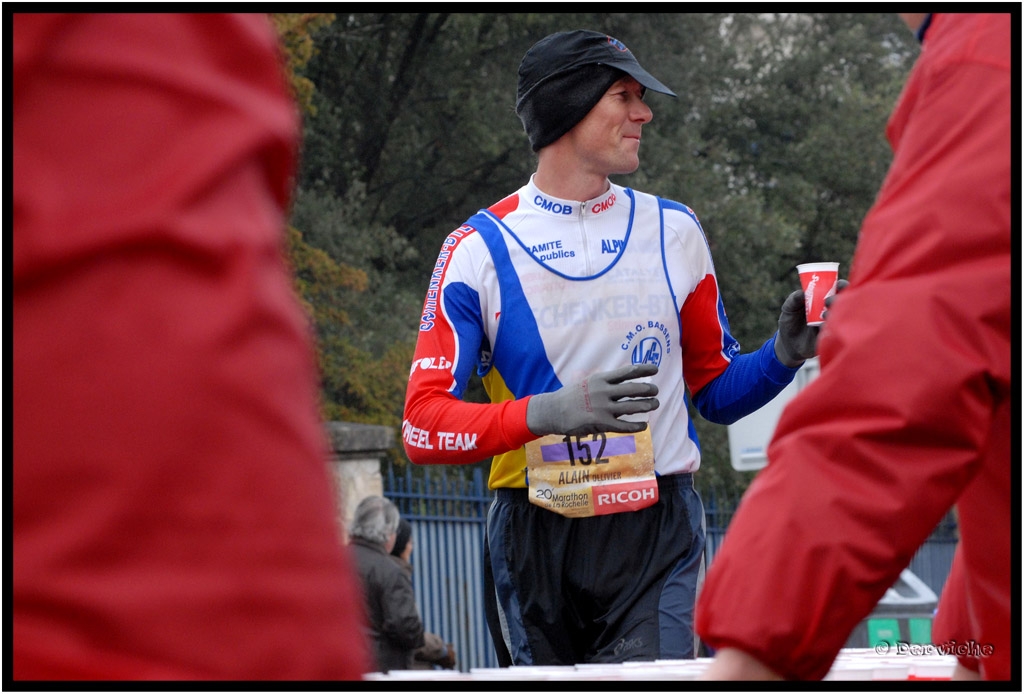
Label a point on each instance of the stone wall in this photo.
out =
(357, 451)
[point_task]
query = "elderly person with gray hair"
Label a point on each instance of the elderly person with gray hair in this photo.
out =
(394, 622)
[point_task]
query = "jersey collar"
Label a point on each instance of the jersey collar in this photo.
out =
(549, 204)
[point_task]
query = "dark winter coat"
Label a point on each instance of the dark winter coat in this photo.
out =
(394, 621)
(434, 650)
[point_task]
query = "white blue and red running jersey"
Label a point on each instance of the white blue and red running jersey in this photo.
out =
(537, 292)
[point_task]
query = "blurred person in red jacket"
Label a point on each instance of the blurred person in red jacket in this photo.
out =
(911, 413)
(173, 511)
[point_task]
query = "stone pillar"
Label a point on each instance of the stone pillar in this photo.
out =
(356, 454)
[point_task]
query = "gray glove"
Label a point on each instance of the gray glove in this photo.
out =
(593, 405)
(797, 341)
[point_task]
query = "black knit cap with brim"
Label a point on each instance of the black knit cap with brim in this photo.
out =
(565, 74)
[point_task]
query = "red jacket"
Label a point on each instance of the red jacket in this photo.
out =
(173, 515)
(911, 413)
(952, 628)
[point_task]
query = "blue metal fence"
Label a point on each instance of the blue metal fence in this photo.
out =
(448, 512)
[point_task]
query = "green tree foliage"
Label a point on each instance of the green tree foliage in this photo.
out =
(361, 382)
(363, 357)
(776, 140)
(296, 29)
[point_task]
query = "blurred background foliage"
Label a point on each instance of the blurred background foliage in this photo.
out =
(776, 140)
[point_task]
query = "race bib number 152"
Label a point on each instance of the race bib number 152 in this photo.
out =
(592, 474)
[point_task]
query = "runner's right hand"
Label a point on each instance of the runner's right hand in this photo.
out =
(594, 404)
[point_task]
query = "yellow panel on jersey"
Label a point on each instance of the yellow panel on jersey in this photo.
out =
(506, 468)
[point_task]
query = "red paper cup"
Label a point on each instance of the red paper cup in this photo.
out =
(819, 283)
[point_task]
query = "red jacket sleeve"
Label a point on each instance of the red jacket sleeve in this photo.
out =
(951, 629)
(914, 386)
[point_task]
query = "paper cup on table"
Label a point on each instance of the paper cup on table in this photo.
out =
(819, 282)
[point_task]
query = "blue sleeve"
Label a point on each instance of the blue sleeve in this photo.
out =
(462, 309)
(750, 381)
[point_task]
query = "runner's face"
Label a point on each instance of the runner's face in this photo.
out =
(607, 140)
